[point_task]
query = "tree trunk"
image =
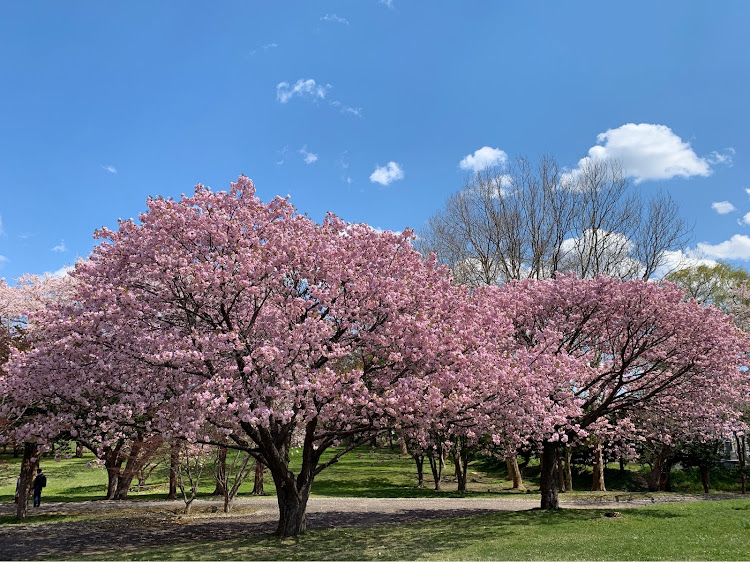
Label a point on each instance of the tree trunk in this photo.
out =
(79, 450)
(705, 478)
(741, 441)
(514, 472)
(658, 478)
(258, 482)
(568, 471)
(560, 471)
(598, 473)
(665, 482)
(174, 460)
(137, 458)
(460, 458)
(113, 463)
(402, 442)
(436, 465)
(292, 511)
(221, 471)
(548, 476)
(113, 479)
(419, 459)
(29, 464)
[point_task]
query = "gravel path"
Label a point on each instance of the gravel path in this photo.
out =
(136, 524)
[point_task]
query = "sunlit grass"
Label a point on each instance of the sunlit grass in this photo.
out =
(690, 531)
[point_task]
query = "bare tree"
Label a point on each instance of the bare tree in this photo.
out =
(530, 221)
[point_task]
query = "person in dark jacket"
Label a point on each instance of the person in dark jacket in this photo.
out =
(39, 482)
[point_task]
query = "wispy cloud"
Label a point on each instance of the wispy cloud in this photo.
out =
(2, 230)
(347, 109)
(302, 87)
(60, 247)
(265, 47)
(335, 19)
(283, 153)
(724, 157)
(388, 3)
(482, 158)
(723, 207)
(3, 260)
(110, 168)
(385, 175)
(309, 157)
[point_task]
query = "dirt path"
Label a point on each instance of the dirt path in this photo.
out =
(128, 525)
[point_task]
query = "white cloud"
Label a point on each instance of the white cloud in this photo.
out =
(736, 248)
(60, 247)
(3, 260)
(2, 230)
(649, 152)
(722, 158)
(388, 3)
(384, 175)
(62, 272)
(723, 207)
(335, 19)
(302, 87)
(269, 46)
(747, 190)
(308, 156)
(110, 168)
(346, 109)
(745, 219)
(674, 260)
(482, 158)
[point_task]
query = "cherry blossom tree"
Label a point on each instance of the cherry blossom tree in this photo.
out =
(30, 294)
(605, 348)
(275, 331)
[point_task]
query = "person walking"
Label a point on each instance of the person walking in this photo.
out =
(39, 482)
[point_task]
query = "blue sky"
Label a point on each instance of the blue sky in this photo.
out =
(366, 109)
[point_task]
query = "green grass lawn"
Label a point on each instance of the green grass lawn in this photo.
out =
(711, 530)
(362, 473)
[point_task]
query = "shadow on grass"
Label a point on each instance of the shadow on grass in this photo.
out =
(340, 536)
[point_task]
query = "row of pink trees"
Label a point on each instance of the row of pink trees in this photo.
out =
(219, 319)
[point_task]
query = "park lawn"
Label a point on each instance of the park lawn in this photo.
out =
(379, 473)
(709, 530)
(361, 473)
